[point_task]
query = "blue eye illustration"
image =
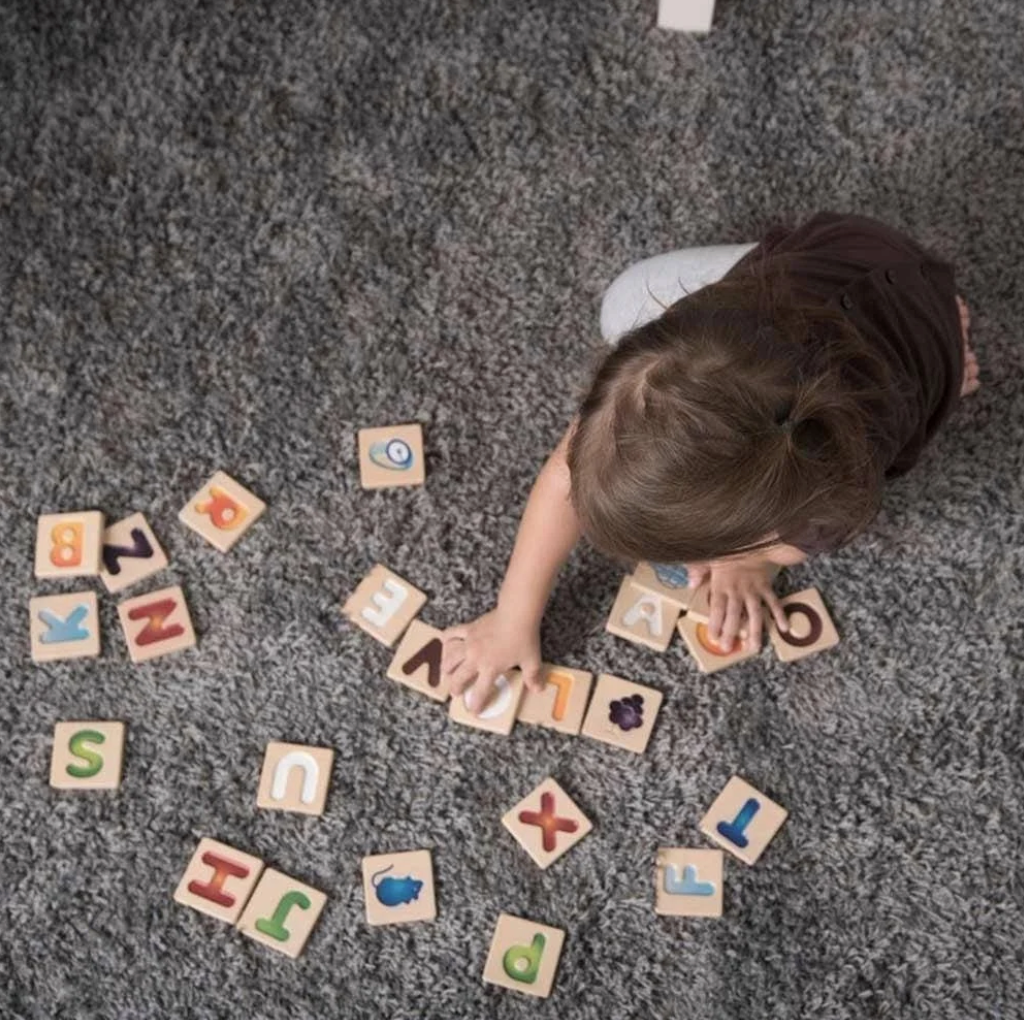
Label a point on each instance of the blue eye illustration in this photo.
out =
(672, 575)
(395, 454)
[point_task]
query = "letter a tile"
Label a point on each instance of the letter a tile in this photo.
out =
(810, 627)
(546, 823)
(281, 913)
(642, 617)
(222, 511)
(295, 777)
(64, 626)
(743, 820)
(417, 663)
(156, 624)
(384, 605)
(524, 956)
(219, 880)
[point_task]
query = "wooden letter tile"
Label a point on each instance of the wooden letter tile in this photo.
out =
(399, 887)
(524, 956)
(668, 582)
(711, 657)
(68, 545)
(384, 605)
(64, 626)
(156, 624)
(562, 703)
(743, 820)
(642, 617)
(547, 823)
(218, 880)
(222, 511)
(499, 714)
(130, 553)
(688, 882)
(281, 913)
(622, 713)
(417, 663)
(87, 755)
(295, 777)
(686, 15)
(810, 627)
(391, 456)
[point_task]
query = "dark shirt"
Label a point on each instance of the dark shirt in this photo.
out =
(900, 298)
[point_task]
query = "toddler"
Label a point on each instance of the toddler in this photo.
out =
(747, 425)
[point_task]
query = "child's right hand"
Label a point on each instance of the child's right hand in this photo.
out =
(477, 653)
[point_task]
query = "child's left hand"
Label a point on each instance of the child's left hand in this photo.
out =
(739, 586)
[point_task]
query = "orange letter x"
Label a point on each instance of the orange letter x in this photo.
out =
(548, 821)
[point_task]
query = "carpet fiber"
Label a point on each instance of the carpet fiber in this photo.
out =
(232, 234)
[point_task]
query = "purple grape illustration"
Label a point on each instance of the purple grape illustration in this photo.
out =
(628, 713)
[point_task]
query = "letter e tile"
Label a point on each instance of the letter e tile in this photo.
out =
(384, 605)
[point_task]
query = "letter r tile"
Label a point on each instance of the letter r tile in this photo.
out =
(383, 605)
(295, 777)
(281, 913)
(524, 956)
(156, 624)
(218, 880)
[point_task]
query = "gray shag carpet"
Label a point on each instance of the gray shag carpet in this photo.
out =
(235, 233)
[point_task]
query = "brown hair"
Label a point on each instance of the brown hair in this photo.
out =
(741, 416)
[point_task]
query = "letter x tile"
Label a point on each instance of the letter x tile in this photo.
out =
(547, 823)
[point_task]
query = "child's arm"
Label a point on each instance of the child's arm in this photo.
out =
(509, 635)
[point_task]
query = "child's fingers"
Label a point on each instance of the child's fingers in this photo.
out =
(462, 678)
(716, 618)
(532, 676)
(778, 613)
(731, 627)
(755, 621)
(479, 694)
(453, 654)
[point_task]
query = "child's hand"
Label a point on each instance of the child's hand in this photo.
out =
(477, 653)
(738, 587)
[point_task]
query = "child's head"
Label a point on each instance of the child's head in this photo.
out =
(736, 419)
